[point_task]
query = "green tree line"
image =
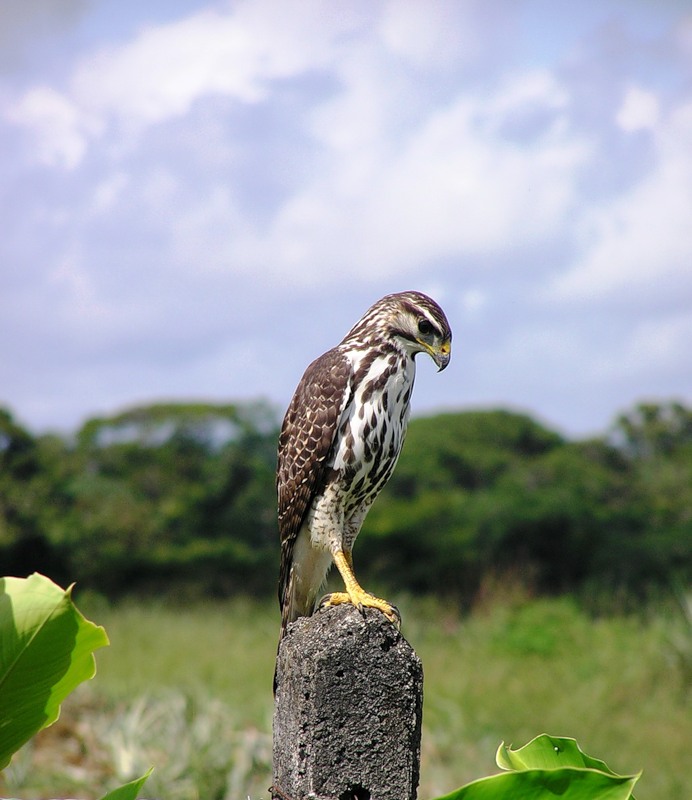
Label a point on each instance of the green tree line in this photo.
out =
(181, 497)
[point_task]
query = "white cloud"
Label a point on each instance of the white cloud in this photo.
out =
(640, 244)
(60, 129)
(452, 184)
(401, 181)
(160, 73)
(434, 32)
(639, 110)
(537, 89)
(655, 347)
(473, 302)
(394, 189)
(460, 188)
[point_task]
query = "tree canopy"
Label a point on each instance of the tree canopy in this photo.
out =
(181, 497)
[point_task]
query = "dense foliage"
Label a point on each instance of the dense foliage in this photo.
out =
(183, 495)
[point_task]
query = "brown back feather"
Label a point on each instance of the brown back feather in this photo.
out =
(307, 435)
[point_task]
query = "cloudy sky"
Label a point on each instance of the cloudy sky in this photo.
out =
(198, 197)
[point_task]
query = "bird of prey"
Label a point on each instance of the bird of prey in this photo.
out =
(339, 442)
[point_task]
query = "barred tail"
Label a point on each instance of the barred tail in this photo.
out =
(296, 600)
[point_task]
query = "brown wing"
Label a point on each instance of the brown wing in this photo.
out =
(307, 434)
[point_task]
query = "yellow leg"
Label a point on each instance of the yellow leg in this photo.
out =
(355, 594)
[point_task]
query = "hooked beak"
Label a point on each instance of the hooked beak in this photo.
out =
(441, 355)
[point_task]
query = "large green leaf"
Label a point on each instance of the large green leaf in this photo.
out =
(130, 791)
(568, 783)
(545, 768)
(547, 752)
(46, 650)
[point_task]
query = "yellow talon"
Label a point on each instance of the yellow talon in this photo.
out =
(361, 602)
(355, 594)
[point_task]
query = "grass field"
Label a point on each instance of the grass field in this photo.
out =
(188, 690)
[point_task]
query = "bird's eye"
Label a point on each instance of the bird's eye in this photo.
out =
(425, 327)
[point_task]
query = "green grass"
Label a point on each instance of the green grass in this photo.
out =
(227, 650)
(509, 674)
(188, 689)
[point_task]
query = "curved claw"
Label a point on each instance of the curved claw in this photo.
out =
(397, 616)
(325, 601)
(361, 601)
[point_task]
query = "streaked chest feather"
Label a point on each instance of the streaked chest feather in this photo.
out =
(373, 425)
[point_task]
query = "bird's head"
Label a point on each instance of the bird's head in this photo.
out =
(410, 320)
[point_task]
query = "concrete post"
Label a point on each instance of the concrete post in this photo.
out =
(347, 718)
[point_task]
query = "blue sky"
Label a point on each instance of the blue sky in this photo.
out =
(198, 198)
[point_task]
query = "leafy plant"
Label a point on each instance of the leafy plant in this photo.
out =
(130, 791)
(46, 650)
(548, 767)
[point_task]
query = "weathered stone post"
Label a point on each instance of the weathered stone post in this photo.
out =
(347, 717)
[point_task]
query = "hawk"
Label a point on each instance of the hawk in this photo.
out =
(339, 442)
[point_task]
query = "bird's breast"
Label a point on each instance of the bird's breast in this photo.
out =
(373, 425)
